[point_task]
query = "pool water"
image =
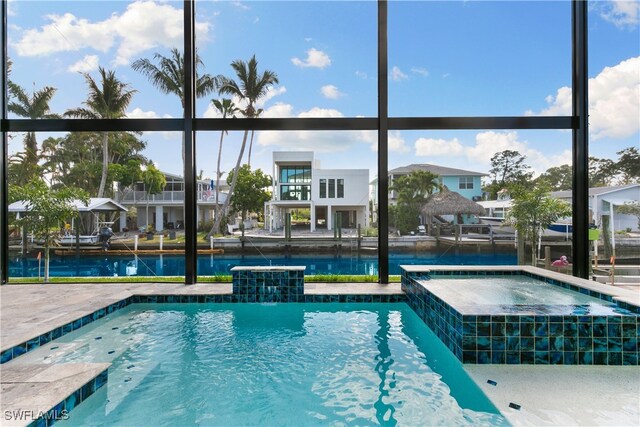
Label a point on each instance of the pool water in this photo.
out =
(475, 294)
(270, 364)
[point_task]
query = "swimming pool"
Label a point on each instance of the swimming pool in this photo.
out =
(270, 364)
(211, 265)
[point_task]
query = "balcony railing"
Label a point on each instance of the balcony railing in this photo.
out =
(165, 196)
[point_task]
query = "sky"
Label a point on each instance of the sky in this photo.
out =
(450, 58)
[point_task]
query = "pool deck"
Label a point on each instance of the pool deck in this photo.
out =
(548, 395)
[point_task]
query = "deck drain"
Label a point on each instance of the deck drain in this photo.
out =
(130, 366)
(98, 338)
(492, 382)
(514, 406)
(54, 347)
(114, 328)
(112, 351)
(126, 380)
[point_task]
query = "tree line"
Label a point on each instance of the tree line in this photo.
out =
(95, 161)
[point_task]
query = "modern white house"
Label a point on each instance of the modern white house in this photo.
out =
(166, 209)
(300, 183)
(604, 200)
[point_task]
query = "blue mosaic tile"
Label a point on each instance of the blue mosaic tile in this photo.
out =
(556, 358)
(45, 338)
(33, 343)
(542, 358)
(630, 359)
(527, 357)
(513, 358)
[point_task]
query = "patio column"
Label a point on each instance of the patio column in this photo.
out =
(123, 220)
(159, 214)
(312, 211)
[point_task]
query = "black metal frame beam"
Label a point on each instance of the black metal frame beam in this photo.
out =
(580, 139)
(292, 124)
(190, 202)
(189, 125)
(383, 143)
(4, 185)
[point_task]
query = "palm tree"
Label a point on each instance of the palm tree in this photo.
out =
(168, 76)
(227, 108)
(107, 102)
(251, 86)
(32, 107)
(258, 112)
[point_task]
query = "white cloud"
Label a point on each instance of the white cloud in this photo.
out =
(240, 5)
(331, 92)
(278, 110)
(614, 101)
(11, 4)
(271, 93)
(318, 141)
(397, 74)
(491, 142)
(487, 144)
(85, 65)
(315, 58)
(445, 75)
(321, 112)
(621, 13)
(138, 113)
(362, 75)
(419, 70)
(438, 147)
(395, 142)
(144, 25)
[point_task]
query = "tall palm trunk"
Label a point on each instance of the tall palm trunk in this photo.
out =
(250, 146)
(225, 206)
(31, 147)
(218, 210)
(105, 163)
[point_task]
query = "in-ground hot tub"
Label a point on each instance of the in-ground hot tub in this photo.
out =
(521, 315)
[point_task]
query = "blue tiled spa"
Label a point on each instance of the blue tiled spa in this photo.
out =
(559, 323)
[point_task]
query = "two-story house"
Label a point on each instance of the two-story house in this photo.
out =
(466, 183)
(166, 209)
(300, 183)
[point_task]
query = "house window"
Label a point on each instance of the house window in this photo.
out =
(295, 174)
(332, 188)
(341, 189)
(465, 183)
(323, 188)
(295, 192)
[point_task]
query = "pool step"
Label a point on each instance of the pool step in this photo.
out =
(30, 391)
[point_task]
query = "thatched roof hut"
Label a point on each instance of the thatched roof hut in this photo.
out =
(448, 202)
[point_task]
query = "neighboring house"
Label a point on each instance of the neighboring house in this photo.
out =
(466, 183)
(166, 209)
(300, 183)
(601, 201)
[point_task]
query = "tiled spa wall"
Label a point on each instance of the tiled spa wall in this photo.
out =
(527, 339)
(268, 284)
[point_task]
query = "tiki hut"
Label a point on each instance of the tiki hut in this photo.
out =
(448, 202)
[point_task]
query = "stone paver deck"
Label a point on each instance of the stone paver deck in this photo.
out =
(549, 395)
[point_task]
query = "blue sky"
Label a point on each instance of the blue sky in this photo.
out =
(450, 58)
